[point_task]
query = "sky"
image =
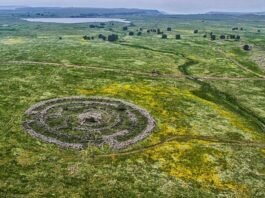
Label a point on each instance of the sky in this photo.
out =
(171, 6)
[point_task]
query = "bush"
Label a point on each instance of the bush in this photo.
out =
(125, 28)
(139, 33)
(178, 36)
(246, 47)
(164, 36)
(113, 37)
(86, 37)
(238, 37)
(205, 36)
(169, 29)
(222, 37)
(235, 28)
(131, 33)
(196, 31)
(213, 37)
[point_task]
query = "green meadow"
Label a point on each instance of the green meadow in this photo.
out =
(206, 96)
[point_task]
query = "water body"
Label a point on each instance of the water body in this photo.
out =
(76, 20)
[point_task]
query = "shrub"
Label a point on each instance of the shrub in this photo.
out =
(139, 33)
(169, 29)
(235, 28)
(131, 33)
(222, 37)
(246, 47)
(238, 37)
(178, 36)
(232, 36)
(196, 31)
(125, 28)
(164, 36)
(86, 37)
(213, 37)
(113, 37)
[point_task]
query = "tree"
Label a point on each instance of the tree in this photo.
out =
(196, 31)
(125, 28)
(86, 38)
(139, 33)
(164, 36)
(169, 29)
(178, 37)
(213, 37)
(241, 29)
(113, 37)
(259, 31)
(232, 36)
(60, 38)
(205, 36)
(222, 37)
(238, 37)
(246, 47)
(131, 33)
(148, 31)
(235, 28)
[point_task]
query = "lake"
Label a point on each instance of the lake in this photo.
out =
(76, 20)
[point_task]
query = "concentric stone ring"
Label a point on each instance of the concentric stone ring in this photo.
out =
(76, 122)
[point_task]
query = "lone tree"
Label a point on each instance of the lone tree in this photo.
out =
(246, 47)
(196, 31)
(213, 37)
(222, 37)
(169, 29)
(178, 37)
(131, 33)
(113, 37)
(164, 36)
(125, 28)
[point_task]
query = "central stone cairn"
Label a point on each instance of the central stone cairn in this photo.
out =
(76, 122)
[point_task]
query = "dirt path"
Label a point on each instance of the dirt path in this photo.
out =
(211, 78)
(187, 138)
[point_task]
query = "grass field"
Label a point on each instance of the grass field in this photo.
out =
(207, 98)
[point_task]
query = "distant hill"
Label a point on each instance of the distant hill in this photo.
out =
(236, 13)
(76, 12)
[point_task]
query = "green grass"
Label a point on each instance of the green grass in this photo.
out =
(217, 109)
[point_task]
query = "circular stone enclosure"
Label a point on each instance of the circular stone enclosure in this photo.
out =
(76, 122)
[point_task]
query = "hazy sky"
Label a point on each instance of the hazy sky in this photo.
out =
(178, 6)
